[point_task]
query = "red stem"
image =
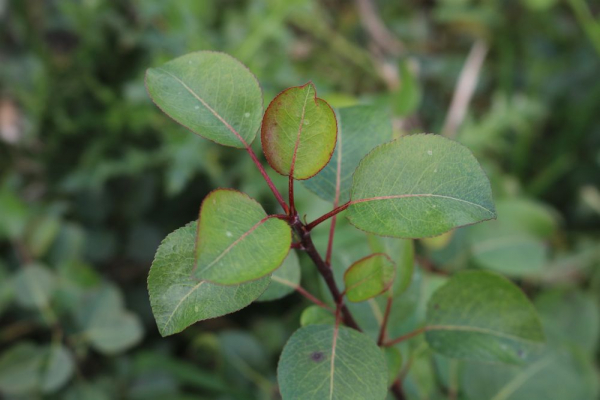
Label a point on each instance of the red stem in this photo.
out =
(312, 298)
(325, 272)
(268, 179)
(405, 337)
(397, 390)
(386, 317)
(291, 195)
(330, 214)
(330, 241)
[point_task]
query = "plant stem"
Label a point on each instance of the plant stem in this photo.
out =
(303, 292)
(330, 214)
(291, 195)
(268, 179)
(396, 390)
(405, 337)
(330, 242)
(324, 270)
(386, 316)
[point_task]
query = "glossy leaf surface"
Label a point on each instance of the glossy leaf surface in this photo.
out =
(299, 132)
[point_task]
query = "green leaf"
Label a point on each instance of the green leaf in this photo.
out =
(298, 132)
(570, 317)
(419, 186)
(19, 368)
(554, 375)
(408, 98)
(178, 300)
(34, 285)
(482, 316)
(212, 94)
(505, 249)
(284, 280)
(108, 326)
(369, 277)
(528, 216)
(393, 358)
(237, 241)
(325, 362)
(335, 180)
(402, 252)
(58, 369)
(316, 315)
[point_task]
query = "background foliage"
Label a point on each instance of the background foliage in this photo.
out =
(93, 177)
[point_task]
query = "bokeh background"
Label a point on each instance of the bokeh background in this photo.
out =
(93, 176)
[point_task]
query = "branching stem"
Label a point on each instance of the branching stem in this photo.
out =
(324, 270)
(405, 337)
(386, 317)
(330, 214)
(267, 179)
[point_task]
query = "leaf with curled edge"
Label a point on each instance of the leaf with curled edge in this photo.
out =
(298, 132)
(329, 362)
(177, 299)
(210, 93)
(419, 186)
(360, 129)
(369, 277)
(237, 241)
(482, 316)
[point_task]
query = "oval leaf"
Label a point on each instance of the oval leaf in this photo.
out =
(369, 277)
(177, 300)
(505, 249)
(419, 186)
(482, 316)
(58, 369)
(237, 241)
(212, 94)
(316, 315)
(328, 362)
(109, 327)
(360, 129)
(33, 286)
(284, 280)
(298, 132)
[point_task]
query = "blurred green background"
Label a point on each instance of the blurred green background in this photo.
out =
(93, 176)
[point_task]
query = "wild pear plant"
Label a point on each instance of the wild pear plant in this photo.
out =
(416, 186)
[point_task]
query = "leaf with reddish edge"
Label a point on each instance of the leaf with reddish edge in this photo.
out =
(360, 129)
(237, 241)
(369, 277)
(177, 299)
(210, 93)
(299, 132)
